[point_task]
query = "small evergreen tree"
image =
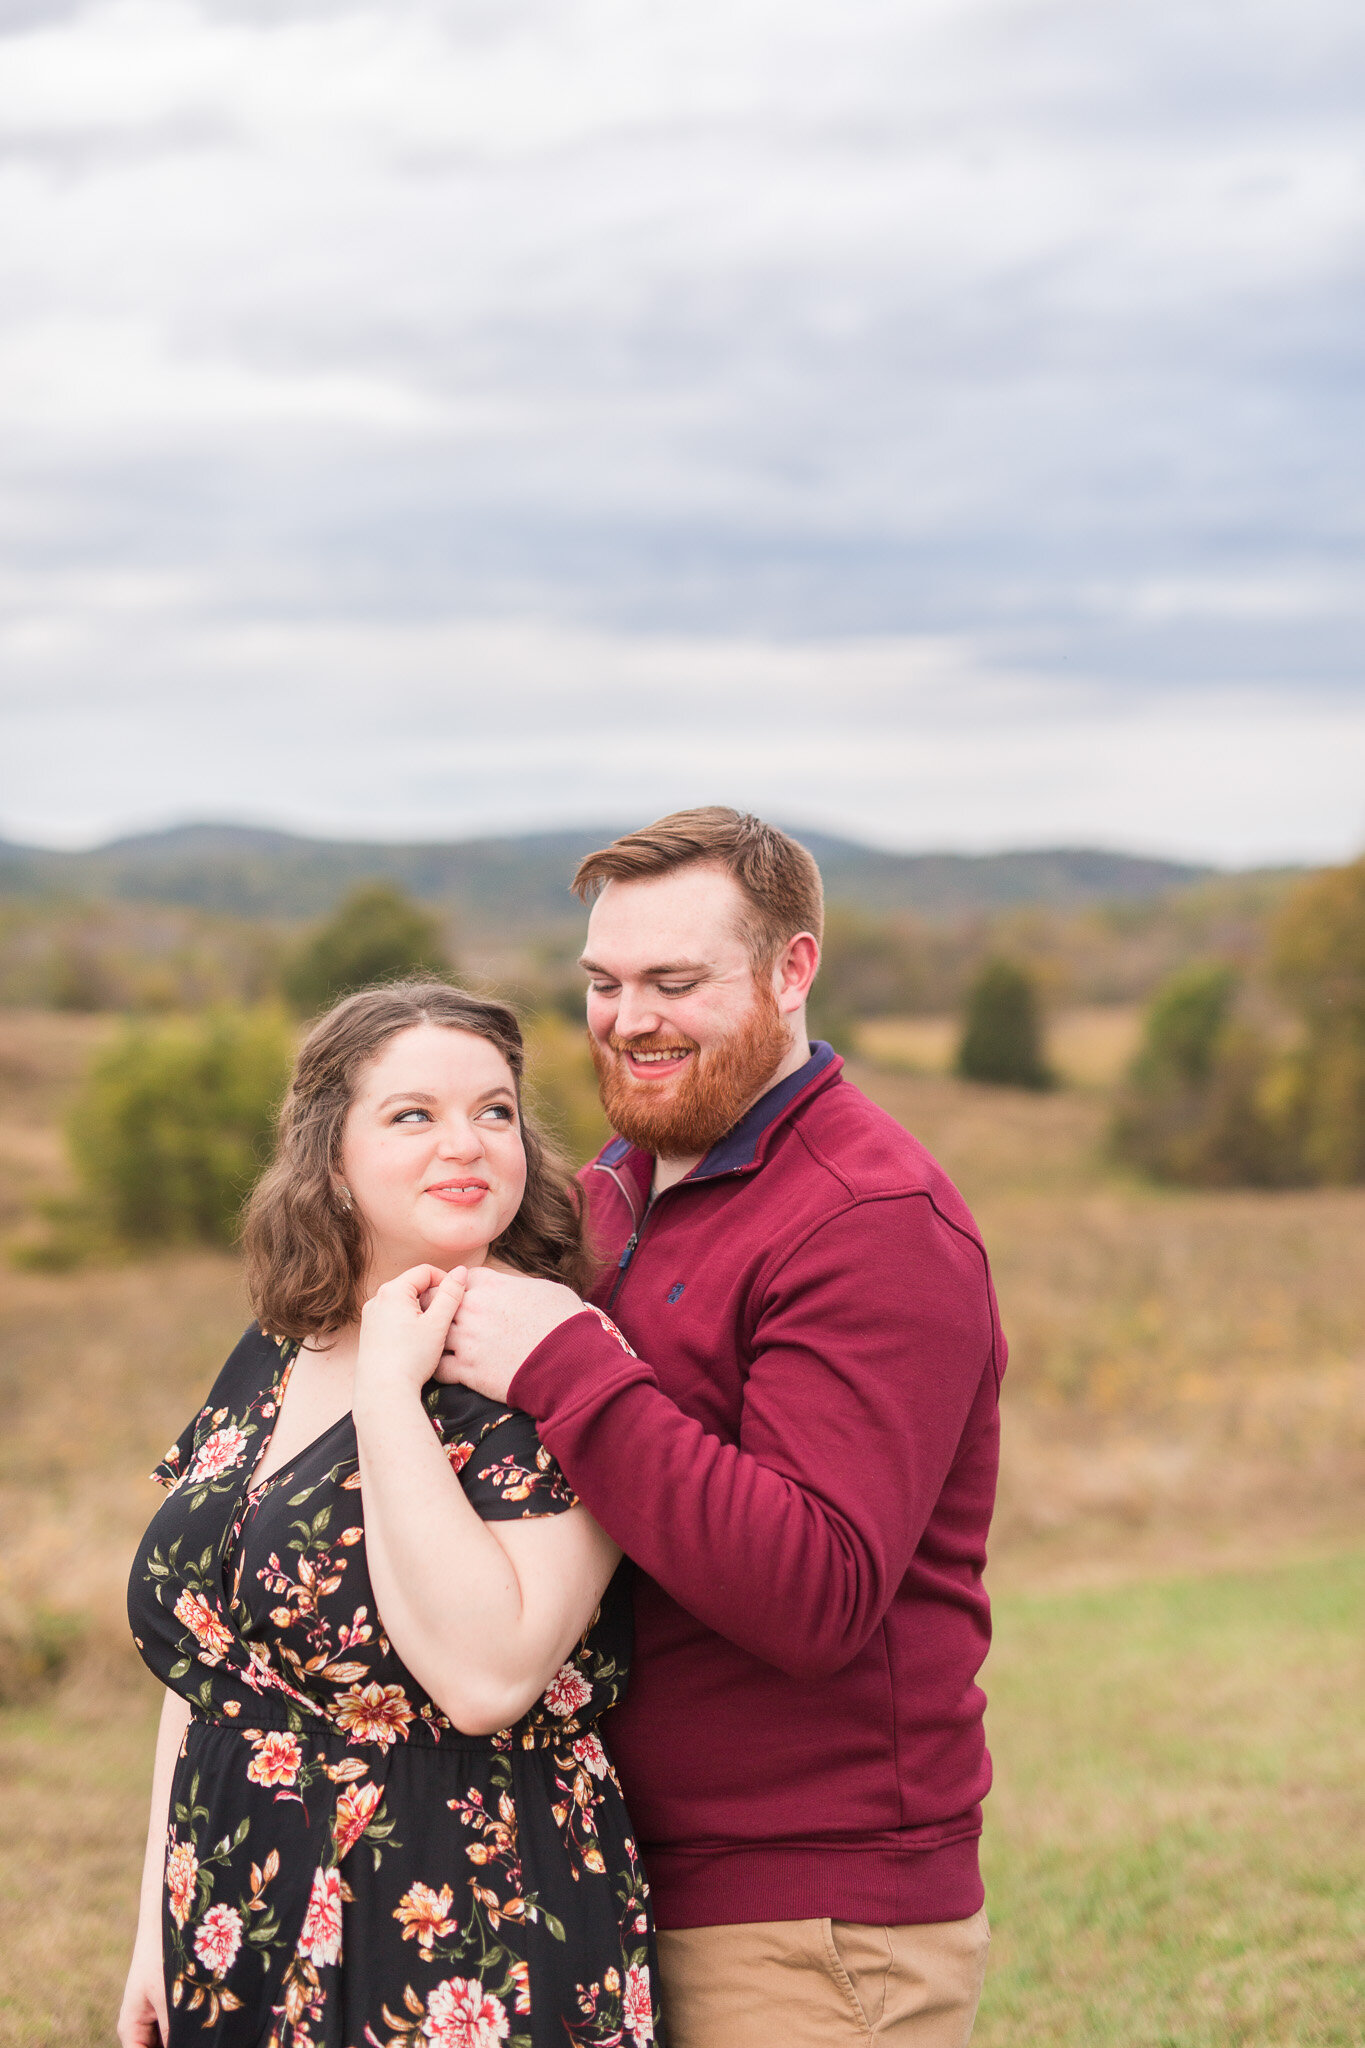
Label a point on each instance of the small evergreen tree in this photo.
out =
(1002, 1033)
(174, 1124)
(376, 934)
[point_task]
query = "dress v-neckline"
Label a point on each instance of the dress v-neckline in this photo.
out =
(256, 1486)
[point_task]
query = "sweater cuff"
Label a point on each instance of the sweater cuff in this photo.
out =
(574, 1367)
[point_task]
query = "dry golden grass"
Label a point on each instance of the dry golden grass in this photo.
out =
(41, 1055)
(100, 1370)
(75, 1773)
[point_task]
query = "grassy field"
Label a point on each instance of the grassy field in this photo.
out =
(1175, 1847)
(1174, 1843)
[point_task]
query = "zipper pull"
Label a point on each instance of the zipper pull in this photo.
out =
(629, 1253)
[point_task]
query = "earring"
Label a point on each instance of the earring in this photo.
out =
(345, 1193)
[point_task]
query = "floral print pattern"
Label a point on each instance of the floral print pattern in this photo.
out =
(344, 1868)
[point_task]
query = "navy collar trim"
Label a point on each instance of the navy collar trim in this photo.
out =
(739, 1147)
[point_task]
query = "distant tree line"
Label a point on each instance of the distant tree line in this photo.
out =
(1224, 1093)
(151, 957)
(1246, 1075)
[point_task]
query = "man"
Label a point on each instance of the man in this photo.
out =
(801, 1461)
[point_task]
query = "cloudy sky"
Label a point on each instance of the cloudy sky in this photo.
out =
(936, 419)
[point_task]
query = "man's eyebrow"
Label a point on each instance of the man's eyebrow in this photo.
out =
(669, 967)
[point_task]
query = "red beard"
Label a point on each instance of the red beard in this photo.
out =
(713, 1095)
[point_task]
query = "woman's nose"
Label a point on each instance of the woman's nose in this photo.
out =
(460, 1141)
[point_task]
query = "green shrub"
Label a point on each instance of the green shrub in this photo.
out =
(1211, 1101)
(1208, 1101)
(376, 934)
(1318, 958)
(1183, 1026)
(174, 1124)
(1002, 1034)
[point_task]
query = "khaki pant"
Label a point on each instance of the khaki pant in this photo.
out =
(819, 1983)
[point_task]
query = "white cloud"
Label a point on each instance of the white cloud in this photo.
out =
(1015, 336)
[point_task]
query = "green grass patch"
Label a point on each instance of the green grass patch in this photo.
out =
(1175, 1848)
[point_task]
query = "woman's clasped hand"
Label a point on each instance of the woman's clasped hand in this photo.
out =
(405, 1326)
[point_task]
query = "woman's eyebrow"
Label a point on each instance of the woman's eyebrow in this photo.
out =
(420, 1095)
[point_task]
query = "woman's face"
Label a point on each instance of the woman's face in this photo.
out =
(431, 1150)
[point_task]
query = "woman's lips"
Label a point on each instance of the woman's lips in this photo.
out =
(459, 1194)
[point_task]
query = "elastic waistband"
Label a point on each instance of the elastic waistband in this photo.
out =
(270, 1716)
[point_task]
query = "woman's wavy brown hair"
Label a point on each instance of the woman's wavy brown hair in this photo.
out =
(306, 1255)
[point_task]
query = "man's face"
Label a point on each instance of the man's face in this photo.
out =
(684, 1036)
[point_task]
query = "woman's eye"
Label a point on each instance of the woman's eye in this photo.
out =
(501, 1111)
(407, 1115)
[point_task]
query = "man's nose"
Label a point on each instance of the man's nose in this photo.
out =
(636, 1014)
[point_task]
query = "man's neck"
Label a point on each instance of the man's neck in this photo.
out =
(669, 1170)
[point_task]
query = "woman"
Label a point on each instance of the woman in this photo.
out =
(380, 1811)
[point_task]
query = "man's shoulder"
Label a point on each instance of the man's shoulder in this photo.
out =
(855, 1142)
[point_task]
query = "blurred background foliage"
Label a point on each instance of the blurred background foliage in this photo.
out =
(376, 933)
(168, 1133)
(1224, 1018)
(1257, 1078)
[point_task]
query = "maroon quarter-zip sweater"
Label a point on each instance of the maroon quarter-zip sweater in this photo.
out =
(801, 1461)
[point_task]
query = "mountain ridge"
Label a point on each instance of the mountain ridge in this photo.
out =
(261, 871)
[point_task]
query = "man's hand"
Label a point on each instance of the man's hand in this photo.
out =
(502, 1318)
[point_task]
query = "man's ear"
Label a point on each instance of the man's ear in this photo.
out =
(794, 970)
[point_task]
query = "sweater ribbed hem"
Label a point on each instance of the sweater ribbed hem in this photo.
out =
(877, 1886)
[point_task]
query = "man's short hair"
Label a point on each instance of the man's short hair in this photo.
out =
(778, 876)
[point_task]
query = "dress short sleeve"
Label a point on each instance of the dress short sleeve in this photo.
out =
(241, 1403)
(171, 1469)
(504, 1468)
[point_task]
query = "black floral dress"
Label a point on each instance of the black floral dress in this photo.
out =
(345, 1869)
